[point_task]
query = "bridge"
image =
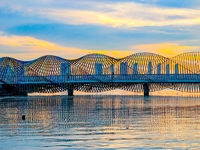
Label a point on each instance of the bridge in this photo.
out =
(140, 72)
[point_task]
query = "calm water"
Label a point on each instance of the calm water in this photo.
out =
(95, 122)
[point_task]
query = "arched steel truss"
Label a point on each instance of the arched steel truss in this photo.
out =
(48, 68)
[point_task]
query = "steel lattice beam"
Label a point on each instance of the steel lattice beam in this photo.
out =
(49, 69)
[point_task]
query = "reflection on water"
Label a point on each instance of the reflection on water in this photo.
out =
(59, 122)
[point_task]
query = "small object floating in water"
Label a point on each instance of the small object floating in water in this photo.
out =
(23, 117)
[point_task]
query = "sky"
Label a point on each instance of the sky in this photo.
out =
(118, 28)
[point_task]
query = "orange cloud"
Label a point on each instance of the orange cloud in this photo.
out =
(27, 48)
(24, 47)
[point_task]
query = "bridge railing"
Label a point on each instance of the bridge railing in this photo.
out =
(102, 78)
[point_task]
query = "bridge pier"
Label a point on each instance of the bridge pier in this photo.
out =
(146, 89)
(71, 90)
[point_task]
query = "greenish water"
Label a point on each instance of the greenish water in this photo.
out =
(95, 122)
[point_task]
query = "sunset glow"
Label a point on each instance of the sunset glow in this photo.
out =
(115, 28)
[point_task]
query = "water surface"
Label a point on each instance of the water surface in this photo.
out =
(95, 122)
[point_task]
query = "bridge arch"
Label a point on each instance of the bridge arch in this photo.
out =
(11, 67)
(189, 61)
(146, 62)
(11, 72)
(104, 72)
(46, 66)
(87, 64)
(142, 65)
(93, 65)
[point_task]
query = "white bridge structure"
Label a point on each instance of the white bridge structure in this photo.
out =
(140, 72)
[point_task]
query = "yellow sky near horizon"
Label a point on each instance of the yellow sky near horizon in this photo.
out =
(28, 48)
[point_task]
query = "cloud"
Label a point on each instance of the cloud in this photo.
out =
(24, 47)
(28, 48)
(93, 27)
(125, 16)
(118, 14)
(165, 49)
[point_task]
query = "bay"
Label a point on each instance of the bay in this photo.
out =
(96, 122)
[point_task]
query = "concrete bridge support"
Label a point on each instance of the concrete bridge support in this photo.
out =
(146, 89)
(71, 90)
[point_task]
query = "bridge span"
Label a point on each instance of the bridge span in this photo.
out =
(140, 72)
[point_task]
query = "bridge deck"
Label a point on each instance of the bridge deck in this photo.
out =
(75, 79)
